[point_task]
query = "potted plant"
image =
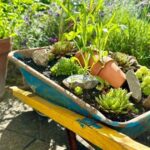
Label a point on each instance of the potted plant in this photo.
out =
(5, 47)
(8, 22)
(94, 57)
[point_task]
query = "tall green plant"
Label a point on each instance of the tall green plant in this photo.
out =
(103, 29)
(83, 17)
(133, 38)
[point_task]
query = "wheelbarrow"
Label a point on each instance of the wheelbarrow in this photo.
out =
(52, 92)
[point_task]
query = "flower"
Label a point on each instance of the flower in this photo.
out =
(53, 40)
(50, 12)
(24, 43)
(26, 19)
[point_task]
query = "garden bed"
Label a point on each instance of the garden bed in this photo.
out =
(88, 96)
(50, 88)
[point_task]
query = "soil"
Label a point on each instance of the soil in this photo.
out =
(88, 95)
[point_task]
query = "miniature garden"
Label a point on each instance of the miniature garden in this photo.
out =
(98, 51)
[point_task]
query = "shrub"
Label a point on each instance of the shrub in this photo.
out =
(132, 38)
(66, 66)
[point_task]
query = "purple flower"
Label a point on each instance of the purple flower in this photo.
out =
(39, 15)
(24, 43)
(57, 14)
(53, 40)
(26, 19)
(102, 14)
(50, 12)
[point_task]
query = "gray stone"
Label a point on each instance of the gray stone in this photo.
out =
(42, 57)
(48, 130)
(25, 124)
(146, 102)
(84, 81)
(38, 145)
(134, 85)
(13, 141)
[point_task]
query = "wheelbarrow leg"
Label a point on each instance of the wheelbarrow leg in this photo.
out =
(72, 140)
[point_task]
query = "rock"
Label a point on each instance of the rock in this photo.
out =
(42, 57)
(83, 81)
(146, 102)
(126, 62)
(133, 61)
(134, 85)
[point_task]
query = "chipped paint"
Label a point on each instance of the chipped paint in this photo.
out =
(88, 122)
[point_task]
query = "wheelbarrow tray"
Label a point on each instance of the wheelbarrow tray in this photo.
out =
(56, 94)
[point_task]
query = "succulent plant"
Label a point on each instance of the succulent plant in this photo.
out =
(78, 90)
(116, 101)
(62, 47)
(142, 72)
(125, 61)
(121, 58)
(66, 66)
(145, 85)
(102, 84)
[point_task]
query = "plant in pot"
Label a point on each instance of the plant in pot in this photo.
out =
(94, 57)
(103, 65)
(7, 25)
(5, 47)
(83, 19)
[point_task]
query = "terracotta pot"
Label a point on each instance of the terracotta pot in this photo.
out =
(108, 70)
(80, 56)
(5, 47)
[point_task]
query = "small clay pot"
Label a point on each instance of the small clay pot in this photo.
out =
(80, 56)
(91, 62)
(106, 69)
(5, 47)
(110, 72)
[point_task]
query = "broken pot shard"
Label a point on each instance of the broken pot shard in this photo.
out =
(134, 85)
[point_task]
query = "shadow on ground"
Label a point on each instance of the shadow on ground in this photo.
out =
(29, 131)
(21, 128)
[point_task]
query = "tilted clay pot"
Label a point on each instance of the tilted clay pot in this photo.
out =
(106, 69)
(5, 47)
